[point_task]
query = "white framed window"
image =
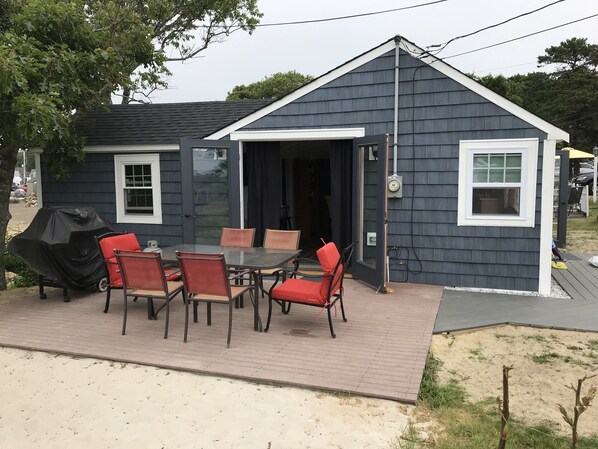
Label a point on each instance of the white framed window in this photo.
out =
(497, 182)
(138, 194)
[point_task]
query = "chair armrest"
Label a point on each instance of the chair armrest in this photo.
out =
(304, 274)
(238, 274)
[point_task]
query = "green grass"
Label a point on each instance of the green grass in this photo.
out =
(538, 338)
(585, 224)
(545, 357)
(437, 396)
(473, 426)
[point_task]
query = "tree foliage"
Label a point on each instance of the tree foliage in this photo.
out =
(58, 58)
(271, 87)
(566, 97)
(180, 30)
(572, 54)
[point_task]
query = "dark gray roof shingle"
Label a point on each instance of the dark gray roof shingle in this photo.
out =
(161, 123)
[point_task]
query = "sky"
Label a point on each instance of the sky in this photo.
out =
(317, 48)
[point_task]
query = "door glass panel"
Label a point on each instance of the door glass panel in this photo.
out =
(368, 186)
(210, 193)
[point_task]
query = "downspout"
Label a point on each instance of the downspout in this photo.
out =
(395, 143)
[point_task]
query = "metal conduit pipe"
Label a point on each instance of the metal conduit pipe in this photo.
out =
(395, 142)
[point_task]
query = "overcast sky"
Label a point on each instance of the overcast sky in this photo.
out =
(316, 48)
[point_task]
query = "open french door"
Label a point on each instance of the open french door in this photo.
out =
(369, 209)
(211, 195)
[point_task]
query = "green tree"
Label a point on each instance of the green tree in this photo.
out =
(271, 87)
(58, 58)
(501, 85)
(180, 30)
(572, 54)
(566, 97)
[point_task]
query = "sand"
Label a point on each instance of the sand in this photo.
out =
(53, 401)
(543, 361)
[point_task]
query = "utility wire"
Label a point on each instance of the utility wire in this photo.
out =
(520, 37)
(443, 46)
(330, 19)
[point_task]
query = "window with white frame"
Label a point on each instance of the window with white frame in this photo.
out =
(497, 182)
(138, 194)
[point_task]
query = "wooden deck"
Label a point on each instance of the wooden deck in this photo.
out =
(580, 280)
(379, 352)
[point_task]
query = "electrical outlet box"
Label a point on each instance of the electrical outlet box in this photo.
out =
(371, 239)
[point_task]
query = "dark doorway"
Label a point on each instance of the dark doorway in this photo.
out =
(307, 199)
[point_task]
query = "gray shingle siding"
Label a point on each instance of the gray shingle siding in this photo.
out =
(92, 184)
(435, 113)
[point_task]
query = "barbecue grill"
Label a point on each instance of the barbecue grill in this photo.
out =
(60, 246)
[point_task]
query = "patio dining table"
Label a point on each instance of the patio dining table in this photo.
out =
(253, 259)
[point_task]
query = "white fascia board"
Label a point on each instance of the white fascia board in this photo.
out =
(552, 131)
(131, 148)
(315, 84)
(545, 266)
(298, 134)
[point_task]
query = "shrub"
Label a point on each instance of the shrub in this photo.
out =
(24, 276)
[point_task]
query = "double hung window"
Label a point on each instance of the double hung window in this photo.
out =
(497, 182)
(137, 182)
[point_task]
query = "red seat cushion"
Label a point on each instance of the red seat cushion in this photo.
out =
(329, 256)
(299, 290)
(126, 242)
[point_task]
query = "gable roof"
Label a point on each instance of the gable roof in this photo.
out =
(161, 123)
(409, 47)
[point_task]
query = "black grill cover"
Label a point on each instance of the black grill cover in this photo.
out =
(60, 245)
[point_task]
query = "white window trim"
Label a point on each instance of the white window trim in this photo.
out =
(119, 174)
(529, 162)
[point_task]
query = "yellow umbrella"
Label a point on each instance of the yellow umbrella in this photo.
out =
(576, 154)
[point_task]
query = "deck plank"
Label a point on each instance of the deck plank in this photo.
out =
(579, 280)
(379, 352)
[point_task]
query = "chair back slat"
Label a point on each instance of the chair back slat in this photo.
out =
(141, 270)
(204, 274)
(276, 239)
(241, 238)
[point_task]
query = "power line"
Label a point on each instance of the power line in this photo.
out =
(330, 19)
(436, 52)
(521, 37)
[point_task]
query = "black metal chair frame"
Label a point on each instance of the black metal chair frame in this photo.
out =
(343, 261)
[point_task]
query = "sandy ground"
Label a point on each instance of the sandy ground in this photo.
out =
(51, 401)
(543, 362)
(21, 217)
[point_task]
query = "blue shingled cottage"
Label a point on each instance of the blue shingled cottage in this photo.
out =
(438, 179)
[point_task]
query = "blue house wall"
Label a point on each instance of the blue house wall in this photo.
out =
(92, 184)
(435, 113)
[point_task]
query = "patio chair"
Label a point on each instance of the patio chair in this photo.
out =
(125, 241)
(275, 239)
(207, 279)
(143, 276)
(324, 293)
(574, 200)
(240, 238)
